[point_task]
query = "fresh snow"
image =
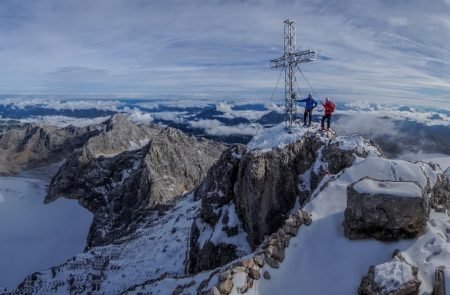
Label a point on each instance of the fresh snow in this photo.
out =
(34, 236)
(392, 275)
(278, 137)
(389, 188)
(157, 250)
(321, 260)
(217, 236)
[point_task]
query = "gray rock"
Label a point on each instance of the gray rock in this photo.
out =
(266, 275)
(383, 216)
(254, 273)
(225, 286)
(440, 197)
(272, 262)
(440, 285)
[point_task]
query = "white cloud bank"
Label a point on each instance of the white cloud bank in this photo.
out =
(215, 127)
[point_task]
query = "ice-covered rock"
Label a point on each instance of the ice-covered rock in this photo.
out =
(385, 210)
(395, 277)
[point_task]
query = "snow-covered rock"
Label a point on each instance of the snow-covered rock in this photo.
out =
(385, 210)
(335, 264)
(260, 185)
(154, 254)
(395, 277)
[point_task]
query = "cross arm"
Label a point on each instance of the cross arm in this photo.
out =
(277, 63)
(293, 58)
(304, 56)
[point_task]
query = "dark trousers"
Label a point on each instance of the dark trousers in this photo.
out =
(328, 118)
(308, 113)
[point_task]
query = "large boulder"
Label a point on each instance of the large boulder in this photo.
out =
(395, 277)
(385, 210)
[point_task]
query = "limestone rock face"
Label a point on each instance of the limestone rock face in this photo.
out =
(118, 189)
(249, 193)
(119, 134)
(385, 210)
(216, 195)
(396, 277)
(31, 145)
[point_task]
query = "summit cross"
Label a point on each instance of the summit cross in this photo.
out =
(288, 62)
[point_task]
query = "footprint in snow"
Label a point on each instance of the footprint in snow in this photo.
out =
(432, 248)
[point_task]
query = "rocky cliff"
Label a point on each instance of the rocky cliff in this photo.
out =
(118, 180)
(31, 145)
(260, 184)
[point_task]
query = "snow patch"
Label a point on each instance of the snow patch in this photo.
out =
(388, 188)
(393, 275)
(278, 137)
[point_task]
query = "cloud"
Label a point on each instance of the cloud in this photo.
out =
(215, 127)
(367, 124)
(372, 49)
(223, 107)
(64, 121)
(138, 116)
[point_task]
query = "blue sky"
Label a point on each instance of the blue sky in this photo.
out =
(382, 51)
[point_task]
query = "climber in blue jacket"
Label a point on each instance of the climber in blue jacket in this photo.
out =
(310, 105)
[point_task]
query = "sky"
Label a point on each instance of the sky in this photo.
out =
(382, 51)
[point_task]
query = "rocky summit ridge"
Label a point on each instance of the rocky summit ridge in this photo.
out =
(181, 215)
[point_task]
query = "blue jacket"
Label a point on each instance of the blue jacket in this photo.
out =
(310, 103)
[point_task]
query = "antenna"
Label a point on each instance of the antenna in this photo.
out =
(288, 62)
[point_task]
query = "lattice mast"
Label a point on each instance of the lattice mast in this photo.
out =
(288, 62)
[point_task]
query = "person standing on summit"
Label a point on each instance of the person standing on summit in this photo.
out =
(328, 107)
(309, 106)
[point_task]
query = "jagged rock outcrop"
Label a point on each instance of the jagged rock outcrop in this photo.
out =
(119, 134)
(396, 277)
(118, 189)
(261, 185)
(440, 200)
(31, 145)
(385, 210)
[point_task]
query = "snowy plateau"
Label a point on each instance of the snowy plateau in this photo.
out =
(262, 218)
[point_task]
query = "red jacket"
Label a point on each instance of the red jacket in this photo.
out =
(329, 107)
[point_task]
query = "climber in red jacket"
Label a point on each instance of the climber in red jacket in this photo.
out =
(329, 107)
